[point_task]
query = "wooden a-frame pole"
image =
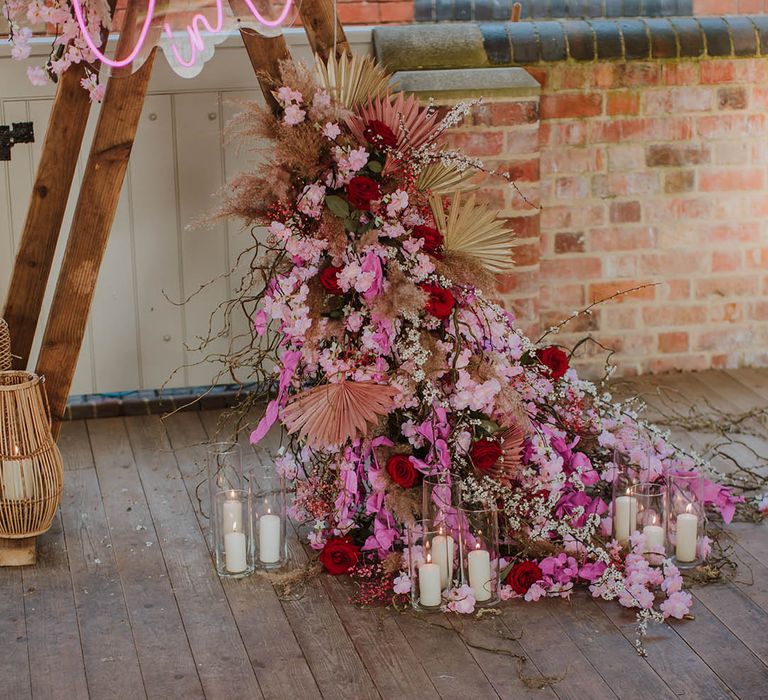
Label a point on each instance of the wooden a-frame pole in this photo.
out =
(53, 182)
(103, 180)
(92, 221)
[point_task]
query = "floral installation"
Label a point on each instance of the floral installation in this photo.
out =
(67, 44)
(373, 298)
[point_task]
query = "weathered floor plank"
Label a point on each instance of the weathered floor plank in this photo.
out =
(501, 658)
(725, 654)
(164, 653)
(55, 652)
(668, 654)
(271, 641)
(222, 663)
(14, 657)
(555, 654)
(202, 599)
(615, 658)
(109, 651)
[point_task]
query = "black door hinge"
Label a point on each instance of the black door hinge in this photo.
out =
(18, 132)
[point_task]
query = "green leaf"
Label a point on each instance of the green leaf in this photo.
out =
(350, 225)
(337, 205)
(374, 166)
(490, 426)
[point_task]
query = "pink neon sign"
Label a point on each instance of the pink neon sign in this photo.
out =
(194, 29)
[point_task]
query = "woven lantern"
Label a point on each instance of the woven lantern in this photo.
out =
(31, 473)
(5, 346)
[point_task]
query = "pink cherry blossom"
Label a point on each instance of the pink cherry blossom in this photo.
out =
(677, 605)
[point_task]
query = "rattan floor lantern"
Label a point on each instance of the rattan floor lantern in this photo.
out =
(31, 474)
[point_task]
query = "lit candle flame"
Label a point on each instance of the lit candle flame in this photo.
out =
(689, 508)
(232, 494)
(429, 558)
(653, 520)
(477, 545)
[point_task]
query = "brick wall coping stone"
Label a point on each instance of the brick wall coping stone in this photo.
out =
(478, 45)
(501, 10)
(491, 84)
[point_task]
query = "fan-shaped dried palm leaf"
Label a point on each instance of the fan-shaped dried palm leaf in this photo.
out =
(329, 415)
(413, 124)
(441, 179)
(475, 230)
(351, 81)
(508, 465)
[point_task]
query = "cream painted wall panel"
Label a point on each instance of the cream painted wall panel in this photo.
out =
(113, 314)
(236, 160)
(204, 248)
(157, 240)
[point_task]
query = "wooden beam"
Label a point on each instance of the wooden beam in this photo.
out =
(55, 172)
(93, 218)
(50, 194)
(266, 53)
(324, 30)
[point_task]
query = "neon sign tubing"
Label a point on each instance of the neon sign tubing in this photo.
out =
(193, 30)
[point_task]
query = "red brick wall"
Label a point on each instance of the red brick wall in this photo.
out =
(647, 172)
(350, 11)
(729, 7)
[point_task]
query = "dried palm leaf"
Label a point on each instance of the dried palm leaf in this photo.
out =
(329, 415)
(474, 230)
(440, 179)
(511, 460)
(351, 81)
(413, 124)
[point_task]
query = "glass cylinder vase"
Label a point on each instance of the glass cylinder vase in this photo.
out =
(479, 551)
(652, 517)
(432, 561)
(270, 513)
(687, 520)
(439, 497)
(225, 469)
(623, 502)
(233, 533)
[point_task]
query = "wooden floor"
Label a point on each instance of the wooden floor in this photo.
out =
(125, 603)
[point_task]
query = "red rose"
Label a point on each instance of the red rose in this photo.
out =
(377, 133)
(329, 278)
(361, 191)
(402, 471)
(339, 555)
(440, 302)
(554, 359)
(432, 238)
(485, 453)
(523, 575)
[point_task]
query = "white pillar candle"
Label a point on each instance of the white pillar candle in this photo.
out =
(654, 537)
(234, 552)
(624, 517)
(430, 591)
(233, 513)
(269, 538)
(18, 479)
(479, 562)
(686, 536)
(443, 550)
